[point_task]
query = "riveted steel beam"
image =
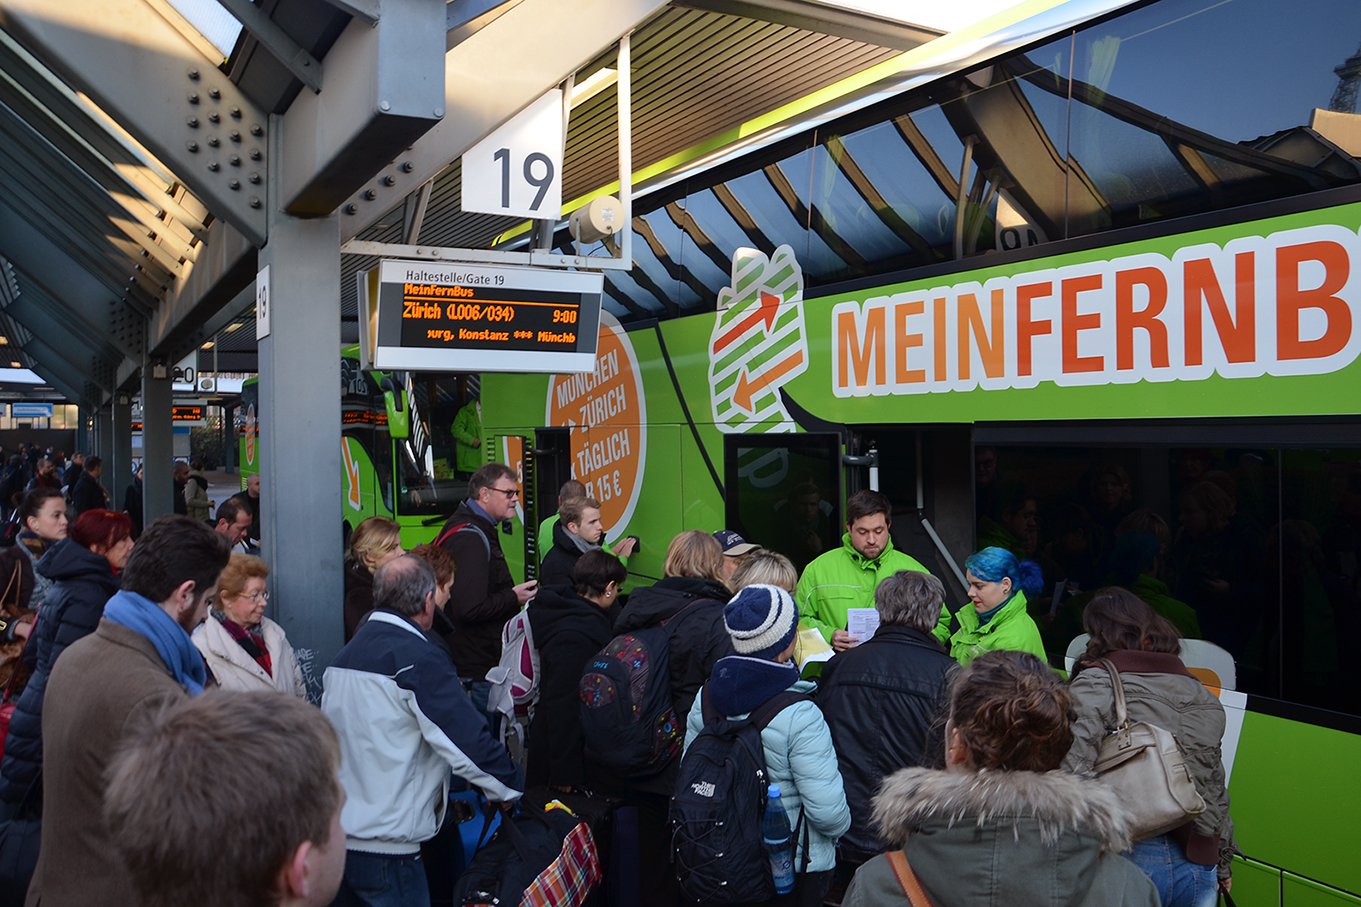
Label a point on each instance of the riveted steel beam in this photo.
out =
(225, 266)
(149, 77)
(304, 67)
(384, 89)
(56, 371)
(47, 267)
(547, 40)
(25, 77)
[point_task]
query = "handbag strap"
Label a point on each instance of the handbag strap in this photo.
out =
(907, 879)
(15, 578)
(1118, 688)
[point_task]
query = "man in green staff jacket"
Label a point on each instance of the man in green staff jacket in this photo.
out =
(846, 577)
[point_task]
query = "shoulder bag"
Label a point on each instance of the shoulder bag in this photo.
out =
(1145, 766)
(907, 879)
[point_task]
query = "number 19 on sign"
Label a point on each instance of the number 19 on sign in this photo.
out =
(517, 170)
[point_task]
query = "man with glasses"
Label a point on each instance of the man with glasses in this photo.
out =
(484, 595)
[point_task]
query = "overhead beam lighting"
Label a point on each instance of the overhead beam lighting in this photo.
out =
(594, 84)
(943, 17)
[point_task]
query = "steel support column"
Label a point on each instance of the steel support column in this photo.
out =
(84, 436)
(158, 444)
(300, 424)
(104, 446)
(229, 452)
(119, 469)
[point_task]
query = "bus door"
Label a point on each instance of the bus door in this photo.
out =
(552, 467)
(517, 452)
(926, 472)
(783, 491)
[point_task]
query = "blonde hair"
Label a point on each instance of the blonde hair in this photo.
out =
(766, 567)
(239, 570)
(373, 538)
(694, 553)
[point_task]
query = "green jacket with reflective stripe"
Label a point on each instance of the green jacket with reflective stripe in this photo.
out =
(841, 579)
(1010, 628)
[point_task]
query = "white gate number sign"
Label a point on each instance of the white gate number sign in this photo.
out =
(517, 170)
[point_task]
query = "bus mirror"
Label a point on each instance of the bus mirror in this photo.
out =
(399, 417)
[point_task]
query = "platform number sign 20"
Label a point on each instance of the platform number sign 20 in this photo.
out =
(517, 169)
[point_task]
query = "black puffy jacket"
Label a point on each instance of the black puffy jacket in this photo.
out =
(568, 631)
(698, 637)
(560, 561)
(883, 701)
(83, 582)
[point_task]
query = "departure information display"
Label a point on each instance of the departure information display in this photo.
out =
(459, 317)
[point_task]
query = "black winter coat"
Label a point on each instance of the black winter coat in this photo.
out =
(83, 582)
(698, 637)
(883, 701)
(358, 596)
(483, 595)
(568, 631)
(88, 494)
(560, 561)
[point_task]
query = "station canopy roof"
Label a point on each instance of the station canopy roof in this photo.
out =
(112, 251)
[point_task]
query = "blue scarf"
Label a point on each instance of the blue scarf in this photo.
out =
(740, 683)
(146, 618)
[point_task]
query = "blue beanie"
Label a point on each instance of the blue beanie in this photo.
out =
(761, 620)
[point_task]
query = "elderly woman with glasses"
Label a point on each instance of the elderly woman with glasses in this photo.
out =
(244, 649)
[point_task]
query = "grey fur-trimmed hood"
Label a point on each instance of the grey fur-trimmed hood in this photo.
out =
(1057, 801)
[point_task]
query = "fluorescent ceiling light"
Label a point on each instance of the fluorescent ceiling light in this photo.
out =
(943, 17)
(16, 364)
(234, 326)
(212, 20)
(208, 345)
(594, 84)
(4, 341)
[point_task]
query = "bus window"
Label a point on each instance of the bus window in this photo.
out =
(425, 461)
(783, 492)
(1253, 548)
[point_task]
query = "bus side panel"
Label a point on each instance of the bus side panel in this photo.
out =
(1256, 883)
(1279, 771)
(1297, 892)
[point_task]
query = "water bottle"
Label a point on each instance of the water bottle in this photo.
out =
(779, 843)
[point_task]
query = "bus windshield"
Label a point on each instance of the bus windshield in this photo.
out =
(428, 484)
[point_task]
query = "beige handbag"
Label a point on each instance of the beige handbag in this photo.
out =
(1145, 766)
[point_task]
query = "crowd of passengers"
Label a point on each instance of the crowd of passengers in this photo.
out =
(945, 736)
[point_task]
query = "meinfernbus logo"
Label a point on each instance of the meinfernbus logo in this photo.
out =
(758, 342)
(1287, 303)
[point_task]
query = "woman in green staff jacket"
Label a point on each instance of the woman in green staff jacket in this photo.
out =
(998, 586)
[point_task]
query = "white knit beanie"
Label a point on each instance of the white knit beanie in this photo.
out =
(761, 620)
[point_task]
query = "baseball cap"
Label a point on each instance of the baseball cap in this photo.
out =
(733, 544)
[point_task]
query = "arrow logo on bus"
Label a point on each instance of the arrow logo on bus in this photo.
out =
(766, 311)
(747, 388)
(351, 475)
(757, 344)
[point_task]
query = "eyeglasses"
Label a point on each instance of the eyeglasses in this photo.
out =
(256, 597)
(510, 493)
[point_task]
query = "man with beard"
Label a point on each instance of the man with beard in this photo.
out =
(138, 661)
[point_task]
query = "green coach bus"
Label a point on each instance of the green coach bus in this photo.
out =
(1095, 299)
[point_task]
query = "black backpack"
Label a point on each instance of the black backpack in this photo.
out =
(628, 718)
(717, 808)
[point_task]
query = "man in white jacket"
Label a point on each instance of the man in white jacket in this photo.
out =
(406, 726)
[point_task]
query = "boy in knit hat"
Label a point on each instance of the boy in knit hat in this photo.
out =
(763, 622)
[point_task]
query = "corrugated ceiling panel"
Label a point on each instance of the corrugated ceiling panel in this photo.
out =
(696, 75)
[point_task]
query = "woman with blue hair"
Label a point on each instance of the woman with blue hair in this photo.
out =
(998, 586)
